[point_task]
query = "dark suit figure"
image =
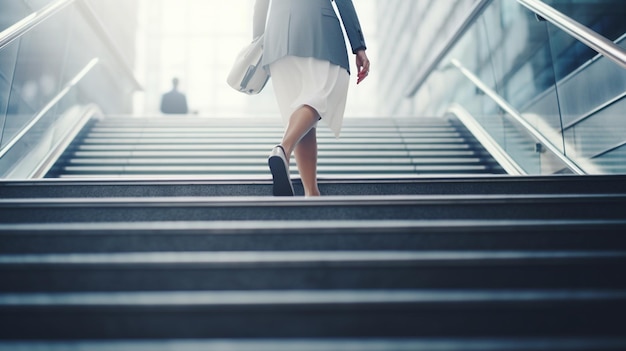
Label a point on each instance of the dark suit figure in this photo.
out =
(174, 102)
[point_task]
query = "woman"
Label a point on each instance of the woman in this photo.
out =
(306, 55)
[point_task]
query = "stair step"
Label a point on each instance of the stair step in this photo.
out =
(299, 270)
(267, 122)
(267, 141)
(262, 171)
(424, 144)
(607, 184)
(217, 162)
(594, 206)
(212, 134)
(343, 344)
(329, 314)
(111, 237)
(397, 256)
(264, 147)
(262, 154)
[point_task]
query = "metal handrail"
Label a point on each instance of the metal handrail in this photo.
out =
(66, 89)
(56, 152)
(584, 34)
(486, 140)
(31, 21)
(517, 117)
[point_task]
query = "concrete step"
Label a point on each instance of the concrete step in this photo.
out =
(343, 344)
(446, 149)
(481, 185)
(313, 314)
(173, 133)
(262, 154)
(489, 263)
(265, 122)
(248, 161)
(309, 235)
(165, 142)
(407, 207)
(233, 171)
(363, 148)
(322, 270)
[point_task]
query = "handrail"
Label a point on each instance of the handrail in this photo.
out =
(49, 106)
(31, 21)
(587, 36)
(476, 11)
(517, 117)
(56, 152)
(495, 150)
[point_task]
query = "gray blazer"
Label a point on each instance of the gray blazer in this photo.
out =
(307, 28)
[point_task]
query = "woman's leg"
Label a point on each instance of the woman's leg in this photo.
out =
(306, 157)
(300, 137)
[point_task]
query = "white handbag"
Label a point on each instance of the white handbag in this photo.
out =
(247, 75)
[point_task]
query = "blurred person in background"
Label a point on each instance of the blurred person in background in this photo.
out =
(174, 102)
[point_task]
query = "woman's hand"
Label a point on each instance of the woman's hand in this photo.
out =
(363, 65)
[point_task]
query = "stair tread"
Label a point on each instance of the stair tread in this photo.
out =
(184, 257)
(428, 141)
(310, 297)
(343, 344)
(362, 227)
(316, 202)
(289, 259)
(260, 184)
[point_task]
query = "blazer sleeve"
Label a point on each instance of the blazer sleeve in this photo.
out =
(351, 24)
(260, 17)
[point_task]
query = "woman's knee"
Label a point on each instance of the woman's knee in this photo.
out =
(310, 111)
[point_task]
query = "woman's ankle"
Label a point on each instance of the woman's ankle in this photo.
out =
(313, 193)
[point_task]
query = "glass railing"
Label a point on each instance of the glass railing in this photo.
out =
(41, 63)
(567, 92)
(592, 91)
(13, 11)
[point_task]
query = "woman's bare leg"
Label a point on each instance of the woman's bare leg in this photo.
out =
(306, 157)
(300, 137)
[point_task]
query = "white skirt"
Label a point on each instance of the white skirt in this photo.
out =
(306, 81)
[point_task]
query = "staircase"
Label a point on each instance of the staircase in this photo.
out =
(188, 147)
(395, 262)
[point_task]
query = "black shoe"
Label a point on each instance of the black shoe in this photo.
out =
(280, 172)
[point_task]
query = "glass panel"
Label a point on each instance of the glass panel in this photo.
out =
(36, 67)
(109, 86)
(11, 12)
(523, 65)
(120, 20)
(509, 51)
(591, 88)
(522, 58)
(37, 73)
(37, 4)
(7, 68)
(612, 162)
